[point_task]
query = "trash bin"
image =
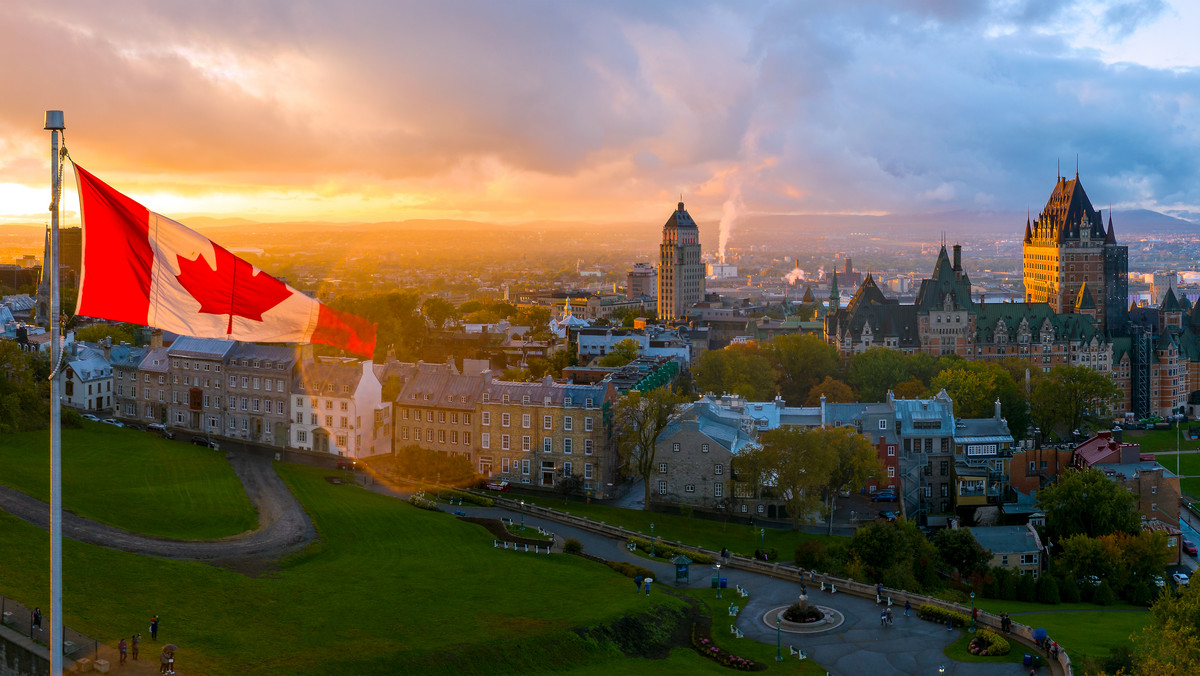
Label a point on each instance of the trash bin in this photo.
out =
(1028, 660)
(715, 581)
(724, 583)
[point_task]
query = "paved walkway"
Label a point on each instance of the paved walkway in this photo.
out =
(283, 525)
(859, 646)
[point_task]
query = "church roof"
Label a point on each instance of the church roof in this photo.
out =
(868, 291)
(1066, 209)
(808, 295)
(1111, 237)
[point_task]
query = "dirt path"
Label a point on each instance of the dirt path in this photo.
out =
(282, 524)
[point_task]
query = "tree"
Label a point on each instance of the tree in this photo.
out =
(622, 353)
(1026, 588)
(975, 387)
(958, 549)
(123, 333)
(810, 465)
(876, 371)
(639, 417)
(1047, 590)
(910, 389)
(24, 389)
(437, 310)
(1087, 503)
(568, 484)
(737, 369)
(834, 391)
(801, 361)
(1171, 644)
(1069, 393)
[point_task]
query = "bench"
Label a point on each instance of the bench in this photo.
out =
(733, 610)
(631, 546)
(506, 521)
(798, 654)
(743, 593)
(737, 633)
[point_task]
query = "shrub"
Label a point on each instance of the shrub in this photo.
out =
(665, 551)
(1103, 595)
(1140, 594)
(1026, 588)
(1008, 587)
(418, 501)
(940, 615)
(469, 498)
(572, 546)
(1047, 590)
(628, 569)
(798, 613)
(988, 643)
(1068, 591)
(811, 554)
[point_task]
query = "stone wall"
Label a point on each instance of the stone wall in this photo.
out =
(21, 657)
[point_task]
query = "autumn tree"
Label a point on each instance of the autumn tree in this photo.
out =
(834, 391)
(1171, 644)
(876, 371)
(737, 369)
(801, 361)
(639, 418)
(1069, 393)
(437, 311)
(975, 387)
(809, 466)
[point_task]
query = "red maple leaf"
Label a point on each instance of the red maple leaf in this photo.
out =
(232, 288)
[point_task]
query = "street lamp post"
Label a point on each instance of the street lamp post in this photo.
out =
(779, 638)
(652, 541)
(762, 540)
(522, 515)
(972, 612)
(718, 580)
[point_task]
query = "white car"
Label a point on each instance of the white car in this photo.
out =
(1180, 578)
(89, 416)
(112, 421)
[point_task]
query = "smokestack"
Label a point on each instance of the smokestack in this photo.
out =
(958, 258)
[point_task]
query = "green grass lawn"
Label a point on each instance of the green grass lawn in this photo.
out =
(133, 480)
(749, 648)
(388, 588)
(713, 535)
(1092, 634)
(1190, 487)
(682, 662)
(997, 606)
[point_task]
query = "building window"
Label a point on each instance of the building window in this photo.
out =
(689, 488)
(587, 470)
(568, 444)
(587, 424)
(504, 464)
(891, 472)
(302, 436)
(675, 447)
(568, 423)
(504, 442)
(547, 445)
(441, 436)
(891, 451)
(718, 489)
(467, 438)
(1004, 559)
(485, 418)
(662, 468)
(504, 419)
(568, 469)
(525, 466)
(883, 424)
(403, 432)
(453, 436)
(719, 469)
(662, 487)
(547, 422)
(485, 440)
(429, 435)
(587, 446)
(704, 448)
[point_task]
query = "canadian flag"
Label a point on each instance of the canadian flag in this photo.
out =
(144, 268)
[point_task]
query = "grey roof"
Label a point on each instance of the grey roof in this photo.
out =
(938, 409)
(272, 353)
(981, 430)
(1131, 469)
(126, 356)
(557, 393)
(155, 360)
(92, 369)
(438, 385)
(326, 376)
(204, 348)
(1007, 539)
(722, 427)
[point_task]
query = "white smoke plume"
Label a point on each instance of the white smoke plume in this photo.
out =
(729, 215)
(796, 275)
(821, 272)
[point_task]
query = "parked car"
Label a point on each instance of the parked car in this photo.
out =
(135, 426)
(161, 429)
(204, 441)
(347, 464)
(1189, 547)
(1159, 582)
(887, 516)
(112, 421)
(89, 416)
(501, 486)
(844, 492)
(884, 496)
(1179, 578)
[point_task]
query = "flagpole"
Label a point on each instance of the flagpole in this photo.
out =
(55, 125)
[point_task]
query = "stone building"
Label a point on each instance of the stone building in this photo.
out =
(436, 409)
(1017, 548)
(257, 388)
(694, 458)
(195, 384)
(680, 272)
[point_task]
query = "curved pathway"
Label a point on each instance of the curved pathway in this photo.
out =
(858, 646)
(283, 525)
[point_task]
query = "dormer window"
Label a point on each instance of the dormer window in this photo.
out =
(486, 397)
(505, 399)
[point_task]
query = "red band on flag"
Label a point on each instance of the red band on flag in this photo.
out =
(117, 256)
(344, 330)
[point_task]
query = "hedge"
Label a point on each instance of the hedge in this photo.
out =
(418, 501)
(629, 569)
(940, 615)
(664, 551)
(466, 497)
(994, 644)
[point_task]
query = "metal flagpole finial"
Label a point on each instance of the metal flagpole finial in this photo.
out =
(54, 120)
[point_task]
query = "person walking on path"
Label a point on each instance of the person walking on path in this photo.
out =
(637, 582)
(171, 662)
(121, 647)
(37, 618)
(163, 662)
(648, 581)
(883, 618)
(154, 627)
(137, 638)
(907, 609)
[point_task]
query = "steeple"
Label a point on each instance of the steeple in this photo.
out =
(833, 289)
(1111, 237)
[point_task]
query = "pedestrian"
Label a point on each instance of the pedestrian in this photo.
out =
(889, 616)
(163, 662)
(137, 638)
(37, 618)
(949, 623)
(154, 627)
(1054, 649)
(975, 614)
(907, 609)
(637, 582)
(725, 553)
(882, 618)
(121, 648)
(648, 581)
(878, 589)
(171, 662)
(757, 555)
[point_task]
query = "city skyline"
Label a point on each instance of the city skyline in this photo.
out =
(585, 113)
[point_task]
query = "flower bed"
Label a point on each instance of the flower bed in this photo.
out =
(797, 613)
(987, 643)
(705, 646)
(418, 501)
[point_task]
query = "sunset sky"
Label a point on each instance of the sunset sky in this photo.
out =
(602, 111)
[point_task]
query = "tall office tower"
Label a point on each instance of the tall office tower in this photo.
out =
(680, 272)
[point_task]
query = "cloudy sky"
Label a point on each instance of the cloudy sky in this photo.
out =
(523, 110)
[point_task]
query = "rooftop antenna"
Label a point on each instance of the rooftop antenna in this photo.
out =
(1058, 171)
(1076, 166)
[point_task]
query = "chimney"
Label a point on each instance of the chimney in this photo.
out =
(155, 339)
(997, 408)
(958, 258)
(108, 349)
